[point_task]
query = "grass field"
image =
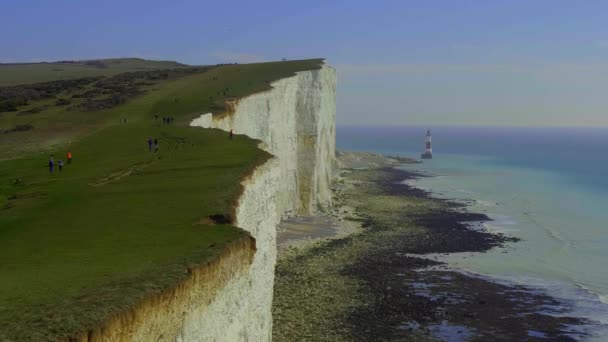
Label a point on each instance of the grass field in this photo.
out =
(120, 222)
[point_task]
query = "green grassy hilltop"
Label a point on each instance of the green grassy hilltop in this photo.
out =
(120, 222)
(20, 73)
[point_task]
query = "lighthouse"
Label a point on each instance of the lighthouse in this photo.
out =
(428, 152)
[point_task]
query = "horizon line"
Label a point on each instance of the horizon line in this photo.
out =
(469, 126)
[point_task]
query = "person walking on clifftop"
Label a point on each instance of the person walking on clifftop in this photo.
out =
(231, 134)
(51, 164)
(69, 157)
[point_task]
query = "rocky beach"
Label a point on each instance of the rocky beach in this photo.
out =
(366, 271)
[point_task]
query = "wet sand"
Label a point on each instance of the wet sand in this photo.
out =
(371, 286)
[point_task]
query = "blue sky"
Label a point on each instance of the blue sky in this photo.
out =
(399, 62)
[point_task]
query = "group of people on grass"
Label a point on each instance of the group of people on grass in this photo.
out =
(166, 119)
(60, 162)
(153, 143)
(152, 146)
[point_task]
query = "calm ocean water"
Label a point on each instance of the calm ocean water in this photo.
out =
(547, 186)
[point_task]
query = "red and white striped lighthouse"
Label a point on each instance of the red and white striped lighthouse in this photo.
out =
(428, 152)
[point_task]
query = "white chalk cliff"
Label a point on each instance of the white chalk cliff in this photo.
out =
(295, 121)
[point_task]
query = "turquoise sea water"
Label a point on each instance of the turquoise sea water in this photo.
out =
(547, 186)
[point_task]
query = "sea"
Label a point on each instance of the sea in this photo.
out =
(546, 186)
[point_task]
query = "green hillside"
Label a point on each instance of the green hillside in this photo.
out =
(120, 222)
(21, 73)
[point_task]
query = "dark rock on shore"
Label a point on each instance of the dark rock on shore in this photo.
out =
(405, 294)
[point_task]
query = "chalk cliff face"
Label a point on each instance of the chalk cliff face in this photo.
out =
(296, 123)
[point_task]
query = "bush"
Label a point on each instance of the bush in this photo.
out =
(7, 106)
(19, 128)
(62, 102)
(30, 111)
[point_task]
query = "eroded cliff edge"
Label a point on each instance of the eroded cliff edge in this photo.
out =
(295, 121)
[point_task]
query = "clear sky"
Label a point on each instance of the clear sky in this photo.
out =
(401, 62)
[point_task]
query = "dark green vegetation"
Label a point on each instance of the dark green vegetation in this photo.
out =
(120, 222)
(89, 93)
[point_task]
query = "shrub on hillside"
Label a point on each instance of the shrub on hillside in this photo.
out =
(19, 128)
(7, 106)
(34, 110)
(62, 102)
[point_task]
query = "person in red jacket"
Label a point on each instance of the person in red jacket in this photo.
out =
(69, 157)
